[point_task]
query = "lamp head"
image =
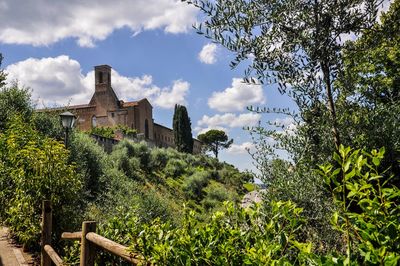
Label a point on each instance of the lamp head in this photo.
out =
(67, 119)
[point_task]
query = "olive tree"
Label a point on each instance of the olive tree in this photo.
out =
(296, 44)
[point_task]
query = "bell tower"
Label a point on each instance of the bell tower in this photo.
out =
(104, 97)
(102, 78)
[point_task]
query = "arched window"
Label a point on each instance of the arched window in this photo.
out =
(94, 123)
(146, 129)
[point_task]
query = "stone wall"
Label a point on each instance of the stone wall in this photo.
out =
(106, 143)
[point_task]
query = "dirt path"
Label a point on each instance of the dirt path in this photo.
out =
(10, 255)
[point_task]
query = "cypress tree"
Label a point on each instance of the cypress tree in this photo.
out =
(182, 130)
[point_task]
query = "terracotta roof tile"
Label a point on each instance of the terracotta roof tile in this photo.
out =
(129, 104)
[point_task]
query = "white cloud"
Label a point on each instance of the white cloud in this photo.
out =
(45, 22)
(226, 121)
(230, 120)
(52, 80)
(59, 81)
(175, 95)
(237, 97)
(208, 54)
(240, 148)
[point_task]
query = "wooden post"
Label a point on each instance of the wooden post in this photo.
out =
(46, 232)
(88, 249)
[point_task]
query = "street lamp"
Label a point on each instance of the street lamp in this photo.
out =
(68, 121)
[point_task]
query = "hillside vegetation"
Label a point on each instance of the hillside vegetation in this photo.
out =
(333, 199)
(86, 183)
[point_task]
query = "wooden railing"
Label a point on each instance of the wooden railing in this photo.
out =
(90, 243)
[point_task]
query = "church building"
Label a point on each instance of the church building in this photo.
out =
(106, 110)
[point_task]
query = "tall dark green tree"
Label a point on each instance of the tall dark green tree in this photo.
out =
(2, 73)
(182, 130)
(215, 140)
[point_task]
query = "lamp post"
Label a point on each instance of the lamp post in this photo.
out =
(68, 121)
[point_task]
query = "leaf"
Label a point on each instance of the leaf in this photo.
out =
(350, 175)
(376, 161)
(335, 218)
(346, 165)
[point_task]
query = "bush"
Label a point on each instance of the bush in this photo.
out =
(14, 101)
(194, 184)
(232, 237)
(127, 131)
(159, 158)
(106, 132)
(139, 150)
(151, 205)
(91, 163)
(369, 210)
(35, 168)
(216, 194)
(130, 166)
(232, 177)
(175, 168)
(305, 188)
(48, 124)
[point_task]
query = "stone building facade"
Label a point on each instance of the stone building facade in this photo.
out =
(106, 110)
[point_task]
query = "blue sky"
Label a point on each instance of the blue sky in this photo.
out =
(52, 47)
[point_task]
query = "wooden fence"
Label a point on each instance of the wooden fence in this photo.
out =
(91, 243)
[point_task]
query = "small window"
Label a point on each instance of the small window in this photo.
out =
(112, 114)
(146, 129)
(100, 77)
(94, 122)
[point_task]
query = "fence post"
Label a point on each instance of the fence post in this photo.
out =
(88, 249)
(46, 232)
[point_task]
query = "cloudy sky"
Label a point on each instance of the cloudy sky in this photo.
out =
(52, 46)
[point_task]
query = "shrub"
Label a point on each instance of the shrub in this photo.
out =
(138, 150)
(194, 184)
(175, 168)
(14, 101)
(130, 166)
(106, 132)
(91, 163)
(216, 194)
(35, 168)
(159, 158)
(118, 196)
(48, 124)
(127, 131)
(369, 210)
(306, 189)
(232, 237)
(151, 205)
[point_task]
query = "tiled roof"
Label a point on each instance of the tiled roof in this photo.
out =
(71, 107)
(80, 106)
(129, 104)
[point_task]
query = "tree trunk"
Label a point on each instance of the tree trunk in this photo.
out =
(331, 104)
